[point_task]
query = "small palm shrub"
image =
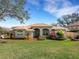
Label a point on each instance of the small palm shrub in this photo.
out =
(60, 35)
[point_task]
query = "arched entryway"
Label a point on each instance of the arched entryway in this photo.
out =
(45, 32)
(36, 33)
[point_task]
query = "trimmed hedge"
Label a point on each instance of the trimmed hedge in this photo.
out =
(74, 30)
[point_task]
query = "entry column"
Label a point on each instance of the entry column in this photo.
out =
(41, 32)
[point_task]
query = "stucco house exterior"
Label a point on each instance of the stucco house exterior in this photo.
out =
(73, 26)
(33, 31)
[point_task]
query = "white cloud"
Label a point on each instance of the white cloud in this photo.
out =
(62, 11)
(67, 10)
(57, 8)
(60, 7)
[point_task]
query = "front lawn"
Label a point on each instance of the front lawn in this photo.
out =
(45, 49)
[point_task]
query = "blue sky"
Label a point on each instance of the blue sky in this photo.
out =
(45, 11)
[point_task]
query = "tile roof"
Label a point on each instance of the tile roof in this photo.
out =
(74, 24)
(28, 28)
(40, 25)
(58, 27)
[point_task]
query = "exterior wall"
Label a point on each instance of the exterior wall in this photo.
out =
(73, 28)
(41, 31)
(28, 35)
(19, 34)
(49, 30)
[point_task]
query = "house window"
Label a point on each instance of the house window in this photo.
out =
(45, 31)
(19, 33)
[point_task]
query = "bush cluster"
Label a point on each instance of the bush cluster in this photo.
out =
(58, 35)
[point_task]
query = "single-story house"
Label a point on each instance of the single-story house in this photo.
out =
(33, 31)
(73, 26)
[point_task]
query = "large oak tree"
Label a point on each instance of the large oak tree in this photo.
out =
(68, 19)
(14, 9)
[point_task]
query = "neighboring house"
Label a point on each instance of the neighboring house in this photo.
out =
(59, 28)
(73, 26)
(34, 30)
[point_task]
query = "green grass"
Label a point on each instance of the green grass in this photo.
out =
(46, 49)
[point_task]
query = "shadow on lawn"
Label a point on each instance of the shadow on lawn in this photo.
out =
(3, 41)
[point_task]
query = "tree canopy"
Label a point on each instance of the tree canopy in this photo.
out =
(4, 30)
(14, 9)
(68, 19)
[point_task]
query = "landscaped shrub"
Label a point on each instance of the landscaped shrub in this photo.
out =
(76, 30)
(71, 35)
(60, 35)
(7, 37)
(49, 37)
(76, 38)
(41, 38)
(52, 35)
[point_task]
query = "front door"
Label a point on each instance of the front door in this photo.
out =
(36, 33)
